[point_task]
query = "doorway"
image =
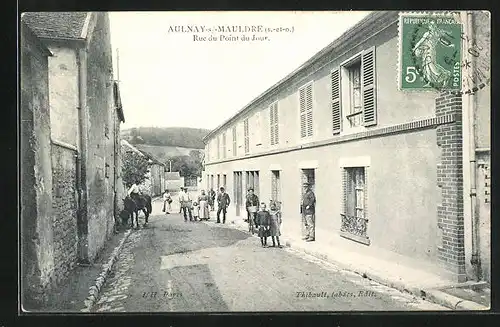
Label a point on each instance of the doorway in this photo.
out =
(307, 176)
(238, 191)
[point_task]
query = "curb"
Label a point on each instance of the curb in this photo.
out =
(435, 296)
(101, 279)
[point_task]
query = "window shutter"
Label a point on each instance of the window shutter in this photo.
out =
(302, 94)
(235, 148)
(271, 123)
(309, 110)
(246, 137)
(343, 171)
(276, 124)
(336, 105)
(368, 84)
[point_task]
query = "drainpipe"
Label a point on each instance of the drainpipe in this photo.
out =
(82, 158)
(471, 106)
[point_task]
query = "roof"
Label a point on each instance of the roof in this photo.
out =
(31, 38)
(369, 25)
(172, 176)
(57, 25)
(125, 143)
(118, 101)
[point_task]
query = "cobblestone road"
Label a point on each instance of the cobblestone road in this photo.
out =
(173, 266)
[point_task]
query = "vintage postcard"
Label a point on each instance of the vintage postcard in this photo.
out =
(332, 161)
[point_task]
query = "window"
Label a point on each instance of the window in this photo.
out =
(224, 145)
(106, 170)
(245, 131)
(353, 92)
(355, 109)
(275, 185)
(354, 220)
(208, 151)
(306, 114)
(106, 130)
(274, 123)
(252, 181)
(257, 131)
(235, 146)
(218, 147)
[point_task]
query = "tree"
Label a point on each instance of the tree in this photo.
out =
(188, 166)
(134, 168)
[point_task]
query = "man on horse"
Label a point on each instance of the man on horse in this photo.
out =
(134, 191)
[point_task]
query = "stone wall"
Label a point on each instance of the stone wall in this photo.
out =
(100, 163)
(36, 176)
(65, 211)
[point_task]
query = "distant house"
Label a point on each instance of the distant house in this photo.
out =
(155, 181)
(76, 153)
(174, 181)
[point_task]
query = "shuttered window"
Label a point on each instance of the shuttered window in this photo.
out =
(306, 111)
(359, 105)
(208, 151)
(368, 86)
(246, 136)
(218, 147)
(274, 123)
(224, 145)
(235, 147)
(336, 102)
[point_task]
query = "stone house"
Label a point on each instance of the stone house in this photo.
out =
(83, 123)
(390, 173)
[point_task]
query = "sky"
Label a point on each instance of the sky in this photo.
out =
(168, 79)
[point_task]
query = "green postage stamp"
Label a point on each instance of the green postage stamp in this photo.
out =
(430, 51)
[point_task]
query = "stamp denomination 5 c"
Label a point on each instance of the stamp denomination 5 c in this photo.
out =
(430, 52)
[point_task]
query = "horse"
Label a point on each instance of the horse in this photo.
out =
(141, 202)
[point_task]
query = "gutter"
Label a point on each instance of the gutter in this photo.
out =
(82, 158)
(470, 107)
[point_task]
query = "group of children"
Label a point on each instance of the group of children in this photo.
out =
(269, 223)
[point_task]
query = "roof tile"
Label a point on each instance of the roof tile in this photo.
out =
(56, 25)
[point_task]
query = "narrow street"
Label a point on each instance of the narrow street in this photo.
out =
(175, 266)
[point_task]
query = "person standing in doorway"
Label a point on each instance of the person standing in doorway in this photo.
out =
(252, 205)
(308, 212)
(185, 202)
(211, 199)
(223, 202)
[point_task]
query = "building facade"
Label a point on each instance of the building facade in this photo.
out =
(83, 123)
(387, 166)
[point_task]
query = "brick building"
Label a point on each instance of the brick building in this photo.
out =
(83, 119)
(387, 166)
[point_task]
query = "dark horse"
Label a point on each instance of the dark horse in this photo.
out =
(134, 205)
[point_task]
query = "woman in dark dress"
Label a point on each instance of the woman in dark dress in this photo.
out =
(263, 221)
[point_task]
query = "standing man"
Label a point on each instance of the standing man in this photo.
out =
(308, 212)
(223, 202)
(185, 202)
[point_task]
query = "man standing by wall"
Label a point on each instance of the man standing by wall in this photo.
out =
(223, 201)
(308, 211)
(185, 203)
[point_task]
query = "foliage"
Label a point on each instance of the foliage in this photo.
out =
(187, 166)
(168, 136)
(134, 168)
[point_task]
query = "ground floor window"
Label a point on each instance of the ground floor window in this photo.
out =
(354, 219)
(252, 181)
(275, 186)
